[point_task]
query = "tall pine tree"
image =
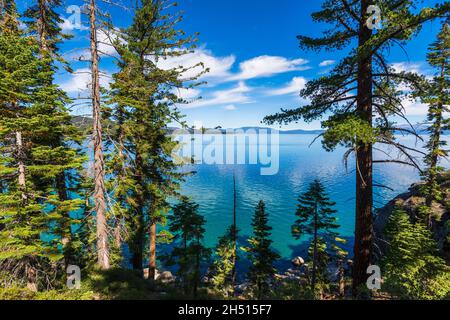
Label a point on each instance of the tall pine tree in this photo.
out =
(61, 143)
(188, 226)
(438, 98)
(224, 265)
(359, 95)
(315, 215)
(29, 207)
(260, 253)
(143, 98)
(97, 136)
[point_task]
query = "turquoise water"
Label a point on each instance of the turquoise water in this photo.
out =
(212, 188)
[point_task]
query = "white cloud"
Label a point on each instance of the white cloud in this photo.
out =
(80, 81)
(68, 25)
(327, 63)
(223, 97)
(414, 107)
(266, 66)
(296, 84)
(104, 47)
(417, 108)
(230, 107)
(219, 67)
(105, 39)
(188, 93)
(407, 67)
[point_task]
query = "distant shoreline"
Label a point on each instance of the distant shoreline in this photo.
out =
(420, 128)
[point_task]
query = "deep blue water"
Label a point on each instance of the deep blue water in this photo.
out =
(212, 188)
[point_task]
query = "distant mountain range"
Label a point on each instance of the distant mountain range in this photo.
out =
(246, 129)
(418, 128)
(85, 122)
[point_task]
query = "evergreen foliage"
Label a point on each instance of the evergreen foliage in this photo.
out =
(315, 217)
(437, 96)
(188, 227)
(260, 253)
(412, 268)
(142, 104)
(224, 265)
(60, 140)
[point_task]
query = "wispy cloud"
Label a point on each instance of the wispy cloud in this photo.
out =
(416, 108)
(219, 67)
(79, 81)
(327, 63)
(236, 94)
(266, 66)
(296, 84)
(188, 93)
(69, 25)
(409, 67)
(230, 107)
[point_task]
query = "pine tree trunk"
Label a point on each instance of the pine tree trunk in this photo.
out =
(433, 166)
(99, 173)
(21, 168)
(30, 271)
(436, 136)
(118, 234)
(152, 258)
(140, 202)
(314, 267)
(233, 272)
(31, 278)
(364, 162)
(197, 270)
(42, 26)
(137, 254)
(121, 176)
(341, 280)
(62, 195)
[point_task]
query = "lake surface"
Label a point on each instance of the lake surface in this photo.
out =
(299, 164)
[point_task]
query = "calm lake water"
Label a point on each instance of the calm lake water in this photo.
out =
(299, 164)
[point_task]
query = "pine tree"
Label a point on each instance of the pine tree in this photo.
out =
(28, 206)
(438, 98)
(99, 169)
(234, 232)
(143, 102)
(224, 265)
(44, 22)
(62, 142)
(359, 95)
(260, 253)
(316, 218)
(188, 227)
(319, 271)
(412, 268)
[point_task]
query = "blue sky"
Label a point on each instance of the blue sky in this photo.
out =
(256, 64)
